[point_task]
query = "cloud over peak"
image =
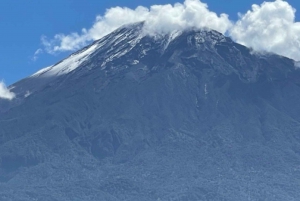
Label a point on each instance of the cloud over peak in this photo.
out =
(5, 93)
(192, 13)
(158, 19)
(267, 27)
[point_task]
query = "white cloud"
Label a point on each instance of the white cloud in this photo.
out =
(36, 54)
(5, 93)
(193, 13)
(269, 27)
(158, 19)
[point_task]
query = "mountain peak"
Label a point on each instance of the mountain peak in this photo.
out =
(177, 116)
(129, 33)
(130, 44)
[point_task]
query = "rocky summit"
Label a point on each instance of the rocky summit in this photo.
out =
(184, 116)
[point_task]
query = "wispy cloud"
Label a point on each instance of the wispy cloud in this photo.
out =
(36, 54)
(269, 27)
(5, 93)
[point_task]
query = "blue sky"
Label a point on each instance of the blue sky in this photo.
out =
(23, 23)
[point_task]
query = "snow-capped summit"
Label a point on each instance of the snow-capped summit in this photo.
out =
(67, 65)
(129, 33)
(118, 43)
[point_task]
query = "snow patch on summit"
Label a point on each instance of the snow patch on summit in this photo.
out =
(297, 64)
(172, 36)
(67, 65)
(42, 71)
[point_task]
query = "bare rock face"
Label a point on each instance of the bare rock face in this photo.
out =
(134, 117)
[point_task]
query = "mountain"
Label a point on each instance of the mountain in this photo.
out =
(190, 115)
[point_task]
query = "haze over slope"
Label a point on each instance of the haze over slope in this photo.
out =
(184, 116)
